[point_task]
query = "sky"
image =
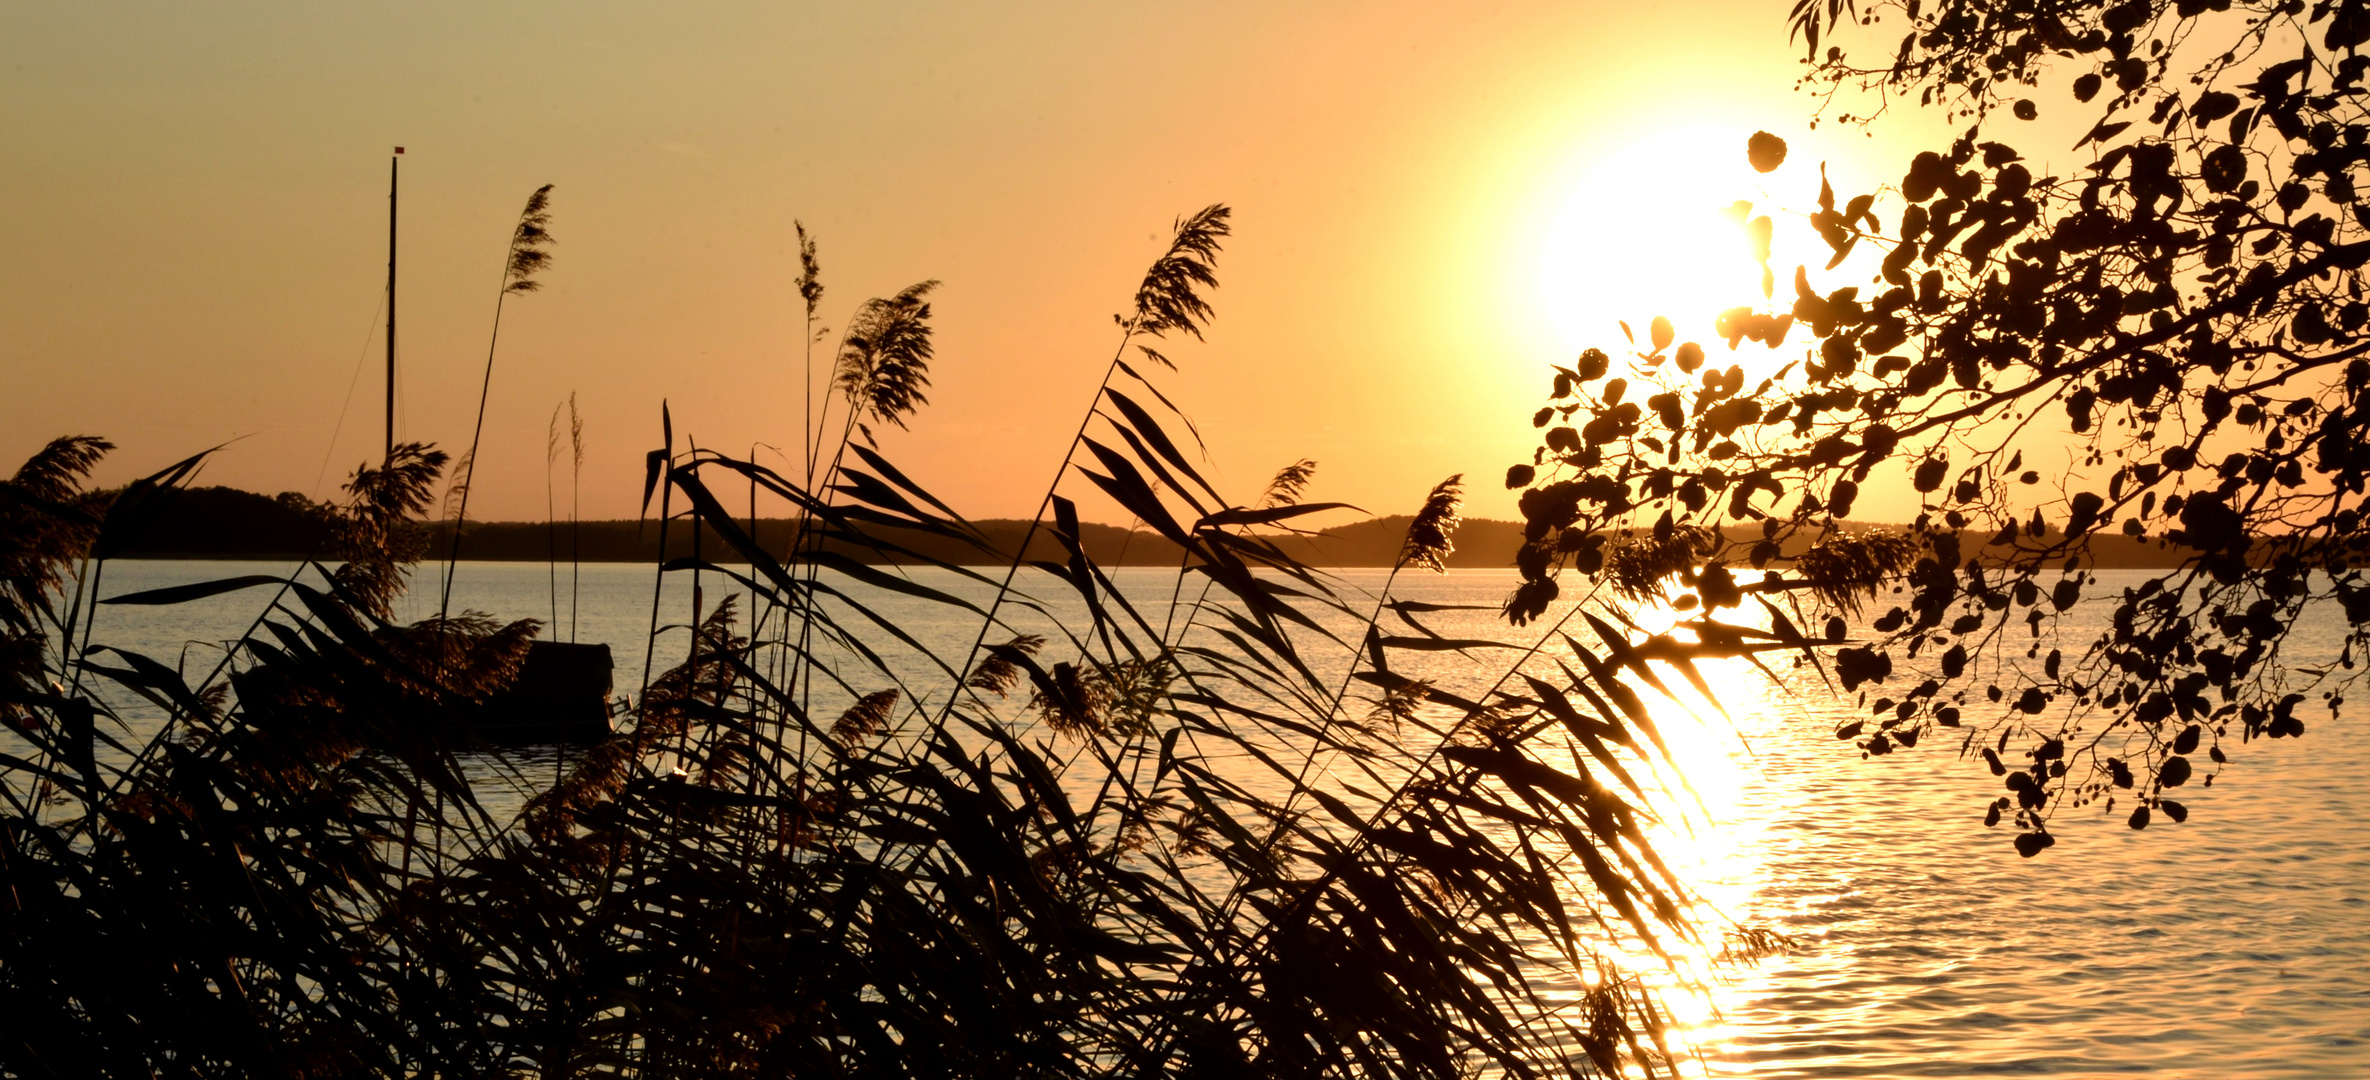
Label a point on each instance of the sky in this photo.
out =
(1432, 204)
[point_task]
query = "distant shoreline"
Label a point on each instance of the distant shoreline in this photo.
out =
(226, 523)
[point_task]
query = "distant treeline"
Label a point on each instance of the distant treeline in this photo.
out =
(226, 523)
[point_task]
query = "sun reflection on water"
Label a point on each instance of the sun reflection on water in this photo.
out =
(1709, 829)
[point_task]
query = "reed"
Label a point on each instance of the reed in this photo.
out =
(527, 256)
(551, 519)
(552, 444)
(1107, 837)
(575, 513)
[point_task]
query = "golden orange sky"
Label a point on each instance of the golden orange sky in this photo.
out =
(1433, 202)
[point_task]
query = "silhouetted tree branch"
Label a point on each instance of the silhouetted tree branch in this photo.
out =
(2166, 342)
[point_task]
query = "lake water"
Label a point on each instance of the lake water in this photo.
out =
(2233, 947)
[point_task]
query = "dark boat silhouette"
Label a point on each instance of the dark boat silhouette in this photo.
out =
(561, 695)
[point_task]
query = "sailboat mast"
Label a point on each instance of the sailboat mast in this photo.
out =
(394, 176)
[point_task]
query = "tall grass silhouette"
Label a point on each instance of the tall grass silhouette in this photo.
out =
(551, 528)
(527, 256)
(1106, 837)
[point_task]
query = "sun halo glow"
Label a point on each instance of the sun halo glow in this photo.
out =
(1651, 230)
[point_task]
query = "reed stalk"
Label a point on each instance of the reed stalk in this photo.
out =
(525, 258)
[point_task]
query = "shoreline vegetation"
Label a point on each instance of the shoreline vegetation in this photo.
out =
(227, 523)
(1104, 838)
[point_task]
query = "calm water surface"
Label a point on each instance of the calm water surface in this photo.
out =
(2234, 946)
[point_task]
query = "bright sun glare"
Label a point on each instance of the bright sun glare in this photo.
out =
(1648, 229)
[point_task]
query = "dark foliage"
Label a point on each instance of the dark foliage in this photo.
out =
(2164, 345)
(1158, 842)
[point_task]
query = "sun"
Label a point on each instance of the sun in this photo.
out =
(1658, 225)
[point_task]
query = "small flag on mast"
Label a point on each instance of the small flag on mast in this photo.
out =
(398, 149)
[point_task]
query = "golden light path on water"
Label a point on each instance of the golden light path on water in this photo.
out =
(1728, 815)
(1712, 800)
(1710, 836)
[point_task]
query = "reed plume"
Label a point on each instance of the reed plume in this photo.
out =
(1844, 569)
(1638, 567)
(376, 531)
(1431, 534)
(810, 290)
(1169, 298)
(54, 473)
(884, 362)
(456, 493)
(869, 716)
(42, 528)
(810, 272)
(527, 244)
(1069, 702)
(1000, 669)
(1398, 705)
(471, 655)
(1289, 483)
